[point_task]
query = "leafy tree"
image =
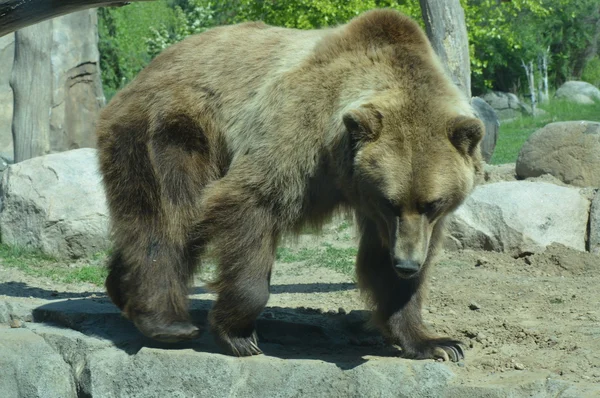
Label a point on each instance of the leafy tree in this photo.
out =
(123, 34)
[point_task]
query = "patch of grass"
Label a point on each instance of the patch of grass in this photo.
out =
(338, 259)
(513, 134)
(40, 265)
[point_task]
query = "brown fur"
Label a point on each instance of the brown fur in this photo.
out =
(243, 133)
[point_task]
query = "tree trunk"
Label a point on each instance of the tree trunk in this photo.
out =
(447, 31)
(529, 71)
(31, 82)
(17, 14)
(543, 94)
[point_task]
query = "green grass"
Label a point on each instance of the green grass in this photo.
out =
(513, 134)
(328, 256)
(40, 265)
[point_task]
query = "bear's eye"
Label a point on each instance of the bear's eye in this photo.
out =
(431, 209)
(394, 208)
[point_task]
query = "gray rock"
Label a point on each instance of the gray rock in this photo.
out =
(55, 204)
(507, 105)
(7, 56)
(570, 151)
(499, 172)
(594, 239)
(109, 358)
(520, 216)
(488, 116)
(578, 92)
(31, 368)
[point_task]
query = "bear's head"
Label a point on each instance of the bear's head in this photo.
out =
(413, 164)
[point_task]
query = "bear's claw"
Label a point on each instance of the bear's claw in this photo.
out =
(445, 349)
(239, 346)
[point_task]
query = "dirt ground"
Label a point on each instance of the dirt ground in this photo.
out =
(535, 315)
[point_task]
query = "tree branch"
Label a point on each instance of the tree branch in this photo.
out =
(17, 14)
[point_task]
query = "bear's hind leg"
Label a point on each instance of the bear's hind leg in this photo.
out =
(156, 285)
(397, 302)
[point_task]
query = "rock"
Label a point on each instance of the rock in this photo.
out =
(519, 366)
(7, 56)
(56, 84)
(594, 239)
(488, 116)
(518, 217)
(31, 368)
(109, 358)
(55, 204)
(15, 323)
(474, 306)
(500, 172)
(579, 92)
(507, 105)
(570, 151)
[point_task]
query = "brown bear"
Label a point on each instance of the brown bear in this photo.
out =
(243, 133)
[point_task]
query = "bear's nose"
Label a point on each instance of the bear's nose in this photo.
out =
(406, 266)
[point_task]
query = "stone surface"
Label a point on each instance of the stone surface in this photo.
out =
(507, 105)
(488, 116)
(106, 357)
(570, 151)
(499, 172)
(7, 56)
(519, 217)
(55, 204)
(594, 240)
(579, 92)
(56, 85)
(31, 368)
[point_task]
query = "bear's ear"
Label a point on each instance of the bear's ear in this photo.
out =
(465, 134)
(363, 123)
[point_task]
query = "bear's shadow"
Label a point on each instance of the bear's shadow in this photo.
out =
(287, 333)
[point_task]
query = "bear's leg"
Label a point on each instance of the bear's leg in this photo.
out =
(243, 234)
(116, 268)
(397, 301)
(154, 285)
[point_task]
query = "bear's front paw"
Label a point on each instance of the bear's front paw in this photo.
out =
(442, 348)
(237, 345)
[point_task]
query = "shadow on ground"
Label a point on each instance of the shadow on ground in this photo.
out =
(287, 333)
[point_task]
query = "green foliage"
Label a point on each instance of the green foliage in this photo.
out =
(513, 134)
(123, 33)
(591, 73)
(501, 34)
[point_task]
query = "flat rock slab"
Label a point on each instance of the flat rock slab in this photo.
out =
(84, 347)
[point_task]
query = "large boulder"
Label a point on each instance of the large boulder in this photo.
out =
(570, 151)
(580, 92)
(55, 204)
(488, 116)
(55, 83)
(594, 239)
(507, 105)
(520, 216)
